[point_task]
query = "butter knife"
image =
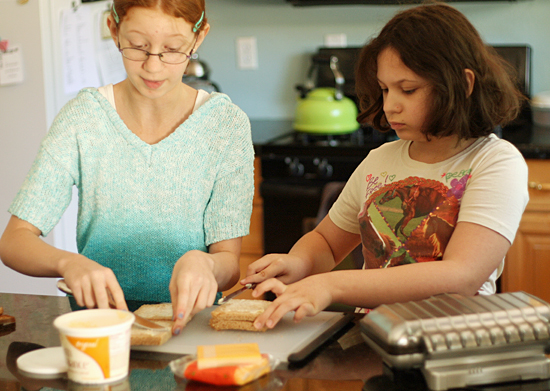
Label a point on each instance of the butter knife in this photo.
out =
(139, 321)
(236, 293)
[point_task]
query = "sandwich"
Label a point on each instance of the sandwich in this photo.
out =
(161, 314)
(5, 319)
(238, 314)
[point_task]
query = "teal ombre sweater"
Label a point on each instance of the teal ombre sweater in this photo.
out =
(141, 206)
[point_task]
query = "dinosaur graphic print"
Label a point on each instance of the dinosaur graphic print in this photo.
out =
(410, 220)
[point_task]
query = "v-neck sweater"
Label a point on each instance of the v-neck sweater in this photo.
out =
(142, 206)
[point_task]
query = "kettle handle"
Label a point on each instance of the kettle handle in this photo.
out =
(332, 62)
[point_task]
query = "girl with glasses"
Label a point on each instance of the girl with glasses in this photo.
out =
(436, 210)
(164, 176)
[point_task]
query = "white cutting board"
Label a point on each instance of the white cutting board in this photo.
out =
(285, 338)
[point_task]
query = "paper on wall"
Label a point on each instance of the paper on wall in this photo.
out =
(77, 47)
(11, 66)
(111, 67)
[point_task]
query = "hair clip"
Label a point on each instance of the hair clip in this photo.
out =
(199, 23)
(117, 19)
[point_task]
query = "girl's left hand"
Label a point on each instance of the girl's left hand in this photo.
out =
(306, 297)
(193, 287)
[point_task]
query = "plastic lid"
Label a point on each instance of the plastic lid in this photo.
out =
(47, 361)
(541, 100)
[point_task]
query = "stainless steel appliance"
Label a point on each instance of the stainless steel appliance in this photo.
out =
(459, 341)
(298, 166)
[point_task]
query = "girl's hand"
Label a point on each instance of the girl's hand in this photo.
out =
(92, 284)
(284, 267)
(306, 297)
(193, 287)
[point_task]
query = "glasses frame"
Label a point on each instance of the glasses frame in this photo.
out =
(160, 55)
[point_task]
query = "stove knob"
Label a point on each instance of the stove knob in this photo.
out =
(324, 169)
(295, 168)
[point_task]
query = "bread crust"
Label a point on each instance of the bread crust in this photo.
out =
(161, 314)
(238, 314)
(141, 336)
(6, 319)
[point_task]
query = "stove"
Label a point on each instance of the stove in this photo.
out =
(297, 168)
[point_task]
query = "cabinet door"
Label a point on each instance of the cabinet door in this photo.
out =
(527, 266)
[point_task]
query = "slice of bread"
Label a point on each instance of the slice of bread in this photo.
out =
(154, 312)
(158, 313)
(141, 336)
(6, 319)
(238, 314)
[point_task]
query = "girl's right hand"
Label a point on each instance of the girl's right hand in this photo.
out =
(92, 284)
(284, 267)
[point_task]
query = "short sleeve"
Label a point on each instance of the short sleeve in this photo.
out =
(47, 190)
(345, 209)
(497, 193)
(228, 212)
(45, 194)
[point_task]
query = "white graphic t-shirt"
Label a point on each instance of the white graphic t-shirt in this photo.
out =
(406, 210)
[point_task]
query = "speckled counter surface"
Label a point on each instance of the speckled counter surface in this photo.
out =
(332, 369)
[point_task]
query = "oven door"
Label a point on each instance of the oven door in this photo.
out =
(290, 211)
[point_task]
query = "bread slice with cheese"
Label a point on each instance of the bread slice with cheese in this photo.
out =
(238, 314)
(161, 314)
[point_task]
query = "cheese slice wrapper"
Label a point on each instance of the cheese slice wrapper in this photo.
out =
(232, 375)
(213, 356)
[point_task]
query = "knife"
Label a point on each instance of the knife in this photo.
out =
(139, 321)
(236, 293)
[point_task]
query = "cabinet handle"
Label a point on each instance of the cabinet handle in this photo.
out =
(539, 186)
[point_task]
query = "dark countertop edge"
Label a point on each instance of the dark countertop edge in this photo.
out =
(534, 145)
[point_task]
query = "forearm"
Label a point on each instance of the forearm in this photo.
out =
(314, 252)
(225, 269)
(225, 256)
(372, 287)
(25, 252)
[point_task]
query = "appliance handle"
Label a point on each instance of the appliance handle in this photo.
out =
(271, 189)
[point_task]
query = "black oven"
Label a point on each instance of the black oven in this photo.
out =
(296, 169)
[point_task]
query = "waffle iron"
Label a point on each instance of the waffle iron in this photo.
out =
(459, 341)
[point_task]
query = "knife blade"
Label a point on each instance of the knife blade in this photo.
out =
(236, 293)
(139, 321)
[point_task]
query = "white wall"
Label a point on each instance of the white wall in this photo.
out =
(23, 124)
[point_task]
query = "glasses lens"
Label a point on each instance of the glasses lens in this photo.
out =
(134, 54)
(173, 57)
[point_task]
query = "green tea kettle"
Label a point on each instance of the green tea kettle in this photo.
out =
(325, 110)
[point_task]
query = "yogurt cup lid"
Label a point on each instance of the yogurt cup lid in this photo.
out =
(44, 362)
(541, 100)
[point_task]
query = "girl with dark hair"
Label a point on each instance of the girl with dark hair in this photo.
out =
(164, 174)
(436, 210)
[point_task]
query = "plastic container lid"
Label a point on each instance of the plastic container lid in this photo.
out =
(541, 100)
(44, 362)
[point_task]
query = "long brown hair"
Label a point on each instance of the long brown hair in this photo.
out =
(438, 43)
(190, 10)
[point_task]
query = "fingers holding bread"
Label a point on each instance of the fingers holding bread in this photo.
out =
(238, 314)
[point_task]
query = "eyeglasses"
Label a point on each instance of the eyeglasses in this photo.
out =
(135, 54)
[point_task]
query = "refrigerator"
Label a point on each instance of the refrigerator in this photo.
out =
(62, 46)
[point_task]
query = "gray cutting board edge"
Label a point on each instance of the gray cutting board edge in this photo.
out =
(285, 338)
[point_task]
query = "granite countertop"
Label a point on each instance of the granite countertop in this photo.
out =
(356, 367)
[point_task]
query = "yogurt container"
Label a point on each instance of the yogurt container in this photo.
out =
(96, 343)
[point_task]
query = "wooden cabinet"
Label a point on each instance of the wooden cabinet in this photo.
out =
(527, 265)
(253, 244)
